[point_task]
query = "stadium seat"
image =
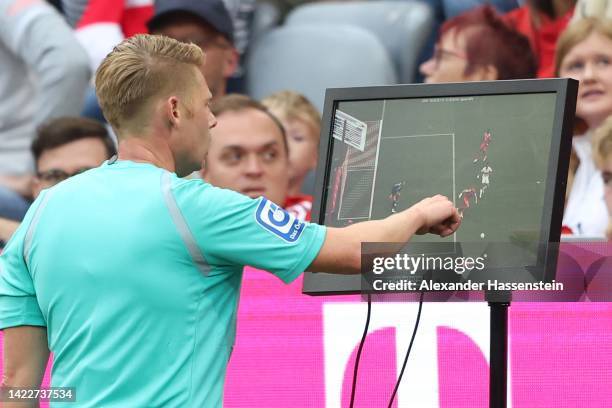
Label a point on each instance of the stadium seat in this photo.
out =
(309, 59)
(265, 17)
(402, 26)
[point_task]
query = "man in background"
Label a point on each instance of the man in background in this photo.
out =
(63, 147)
(248, 150)
(208, 25)
(250, 153)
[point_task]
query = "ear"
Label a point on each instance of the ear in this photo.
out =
(172, 113)
(491, 73)
(485, 73)
(230, 62)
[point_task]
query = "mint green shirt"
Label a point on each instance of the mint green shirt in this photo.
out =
(136, 275)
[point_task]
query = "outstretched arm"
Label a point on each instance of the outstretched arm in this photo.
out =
(341, 251)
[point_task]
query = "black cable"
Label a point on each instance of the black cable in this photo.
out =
(414, 331)
(365, 333)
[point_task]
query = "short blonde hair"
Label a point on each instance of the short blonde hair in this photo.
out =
(290, 105)
(139, 68)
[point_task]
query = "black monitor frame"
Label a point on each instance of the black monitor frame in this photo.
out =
(566, 90)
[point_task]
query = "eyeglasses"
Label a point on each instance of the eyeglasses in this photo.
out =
(54, 176)
(441, 54)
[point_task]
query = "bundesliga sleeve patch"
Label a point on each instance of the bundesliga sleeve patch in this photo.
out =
(278, 221)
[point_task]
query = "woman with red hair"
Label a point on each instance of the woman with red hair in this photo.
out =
(479, 45)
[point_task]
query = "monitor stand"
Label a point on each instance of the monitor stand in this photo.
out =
(498, 372)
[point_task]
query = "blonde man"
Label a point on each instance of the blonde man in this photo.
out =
(133, 273)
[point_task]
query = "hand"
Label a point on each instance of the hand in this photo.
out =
(438, 216)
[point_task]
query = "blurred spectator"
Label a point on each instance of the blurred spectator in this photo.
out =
(446, 9)
(542, 21)
(302, 124)
(477, 46)
(206, 24)
(584, 52)
(248, 150)
(64, 147)
(603, 159)
(101, 24)
(44, 74)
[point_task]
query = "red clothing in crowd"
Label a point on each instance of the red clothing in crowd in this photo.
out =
(300, 206)
(543, 39)
(101, 24)
(130, 16)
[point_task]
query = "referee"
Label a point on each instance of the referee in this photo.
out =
(130, 274)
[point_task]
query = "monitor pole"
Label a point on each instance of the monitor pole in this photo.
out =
(498, 371)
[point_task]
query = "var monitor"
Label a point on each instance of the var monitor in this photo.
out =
(499, 150)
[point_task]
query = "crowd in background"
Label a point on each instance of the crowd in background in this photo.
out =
(51, 126)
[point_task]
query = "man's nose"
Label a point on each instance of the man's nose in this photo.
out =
(254, 166)
(589, 73)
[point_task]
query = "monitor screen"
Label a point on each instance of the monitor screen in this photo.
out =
(494, 148)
